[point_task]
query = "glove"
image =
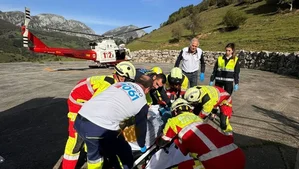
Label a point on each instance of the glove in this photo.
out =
(163, 110)
(202, 77)
(143, 149)
(236, 87)
(211, 83)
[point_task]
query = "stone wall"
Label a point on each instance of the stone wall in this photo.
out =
(278, 62)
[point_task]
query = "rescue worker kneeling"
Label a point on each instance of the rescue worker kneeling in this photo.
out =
(157, 95)
(202, 141)
(209, 98)
(99, 119)
(176, 84)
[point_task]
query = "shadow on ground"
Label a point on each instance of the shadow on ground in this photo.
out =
(263, 154)
(266, 9)
(33, 135)
(279, 116)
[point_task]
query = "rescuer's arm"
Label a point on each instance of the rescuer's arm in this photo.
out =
(141, 125)
(214, 72)
(164, 96)
(237, 72)
(202, 64)
(178, 60)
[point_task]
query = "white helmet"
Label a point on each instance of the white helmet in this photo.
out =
(181, 104)
(175, 76)
(125, 69)
(192, 94)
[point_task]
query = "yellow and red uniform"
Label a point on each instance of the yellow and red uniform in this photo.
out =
(212, 97)
(205, 143)
(173, 93)
(82, 92)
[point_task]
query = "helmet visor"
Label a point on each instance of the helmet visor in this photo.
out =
(175, 81)
(129, 79)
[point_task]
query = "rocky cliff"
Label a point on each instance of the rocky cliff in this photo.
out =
(126, 37)
(45, 21)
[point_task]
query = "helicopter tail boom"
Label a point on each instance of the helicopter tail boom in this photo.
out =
(28, 36)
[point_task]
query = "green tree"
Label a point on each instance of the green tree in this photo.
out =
(177, 32)
(193, 23)
(233, 19)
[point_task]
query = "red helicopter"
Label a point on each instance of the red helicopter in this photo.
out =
(104, 53)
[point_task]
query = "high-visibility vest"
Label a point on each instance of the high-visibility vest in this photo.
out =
(184, 84)
(175, 124)
(226, 72)
(216, 97)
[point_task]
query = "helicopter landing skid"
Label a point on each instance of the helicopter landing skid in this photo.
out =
(101, 65)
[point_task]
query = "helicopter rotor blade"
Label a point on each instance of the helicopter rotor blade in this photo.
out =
(115, 35)
(91, 34)
(133, 30)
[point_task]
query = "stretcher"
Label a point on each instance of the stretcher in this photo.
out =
(154, 129)
(157, 157)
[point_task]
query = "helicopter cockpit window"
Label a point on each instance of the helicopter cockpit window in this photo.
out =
(93, 45)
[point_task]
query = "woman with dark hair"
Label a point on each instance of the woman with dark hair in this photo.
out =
(226, 70)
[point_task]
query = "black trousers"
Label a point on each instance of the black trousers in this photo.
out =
(227, 86)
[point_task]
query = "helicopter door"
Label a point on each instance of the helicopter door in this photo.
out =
(107, 56)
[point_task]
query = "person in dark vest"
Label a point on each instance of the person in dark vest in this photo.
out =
(226, 70)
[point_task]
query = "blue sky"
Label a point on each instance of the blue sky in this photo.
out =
(104, 15)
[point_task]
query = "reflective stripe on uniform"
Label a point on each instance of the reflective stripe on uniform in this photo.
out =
(74, 101)
(215, 152)
(225, 69)
(205, 113)
(226, 102)
(166, 138)
(218, 152)
(72, 116)
(229, 99)
(225, 79)
(203, 137)
(222, 93)
(87, 83)
(71, 157)
(95, 161)
(89, 86)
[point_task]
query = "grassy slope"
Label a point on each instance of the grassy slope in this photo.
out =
(262, 31)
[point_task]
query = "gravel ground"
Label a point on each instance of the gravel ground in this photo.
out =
(33, 122)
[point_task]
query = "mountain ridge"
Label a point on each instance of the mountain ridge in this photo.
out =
(44, 21)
